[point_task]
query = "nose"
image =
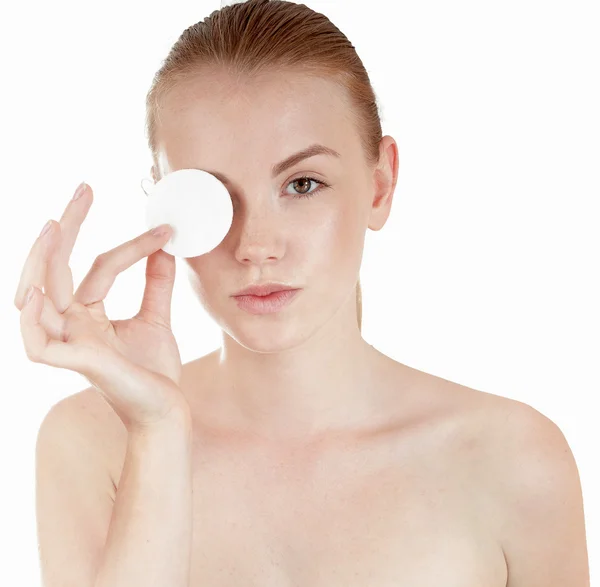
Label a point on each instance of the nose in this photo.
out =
(258, 235)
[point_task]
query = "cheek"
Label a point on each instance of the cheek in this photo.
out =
(193, 272)
(203, 274)
(338, 238)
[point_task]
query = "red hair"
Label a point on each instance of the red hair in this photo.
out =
(271, 35)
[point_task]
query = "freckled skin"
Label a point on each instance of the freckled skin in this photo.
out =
(318, 460)
(313, 349)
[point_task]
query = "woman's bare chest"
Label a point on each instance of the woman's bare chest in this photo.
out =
(365, 518)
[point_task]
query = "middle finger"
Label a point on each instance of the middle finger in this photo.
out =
(59, 278)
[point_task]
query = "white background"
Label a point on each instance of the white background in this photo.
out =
(486, 272)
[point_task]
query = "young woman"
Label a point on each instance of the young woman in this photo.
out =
(296, 453)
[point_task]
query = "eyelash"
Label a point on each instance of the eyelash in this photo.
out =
(322, 185)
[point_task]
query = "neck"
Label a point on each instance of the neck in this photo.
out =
(325, 383)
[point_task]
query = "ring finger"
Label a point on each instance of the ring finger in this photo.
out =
(34, 273)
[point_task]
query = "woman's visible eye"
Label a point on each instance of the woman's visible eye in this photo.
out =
(304, 181)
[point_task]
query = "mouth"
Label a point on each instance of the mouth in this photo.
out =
(264, 290)
(266, 304)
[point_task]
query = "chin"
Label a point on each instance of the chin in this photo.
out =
(264, 336)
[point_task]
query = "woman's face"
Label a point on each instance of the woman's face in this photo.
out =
(241, 130)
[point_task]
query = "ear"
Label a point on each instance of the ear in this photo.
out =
(153, 174)
(385, 177)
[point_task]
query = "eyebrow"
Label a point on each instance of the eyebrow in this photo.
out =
(290, 161)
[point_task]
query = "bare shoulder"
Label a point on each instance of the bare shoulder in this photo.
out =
(518, 446)
(528, 486)
(498, 423)
(90, 416)
(508, 439)
(506, 445)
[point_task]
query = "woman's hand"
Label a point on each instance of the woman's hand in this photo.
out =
(135, 364)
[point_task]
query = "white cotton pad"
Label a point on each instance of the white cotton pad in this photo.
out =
(196, 205)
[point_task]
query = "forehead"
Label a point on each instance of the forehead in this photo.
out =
(216, 117)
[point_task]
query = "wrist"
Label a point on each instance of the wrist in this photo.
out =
(178, 418)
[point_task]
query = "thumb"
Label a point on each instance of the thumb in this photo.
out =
(158, 292)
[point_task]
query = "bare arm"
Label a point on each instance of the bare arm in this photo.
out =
(86, 540)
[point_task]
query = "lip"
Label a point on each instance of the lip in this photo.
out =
(266, 304)
(263, 289)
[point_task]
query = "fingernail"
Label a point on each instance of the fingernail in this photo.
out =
(79, 191)
(161, 230)
(46, 228)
